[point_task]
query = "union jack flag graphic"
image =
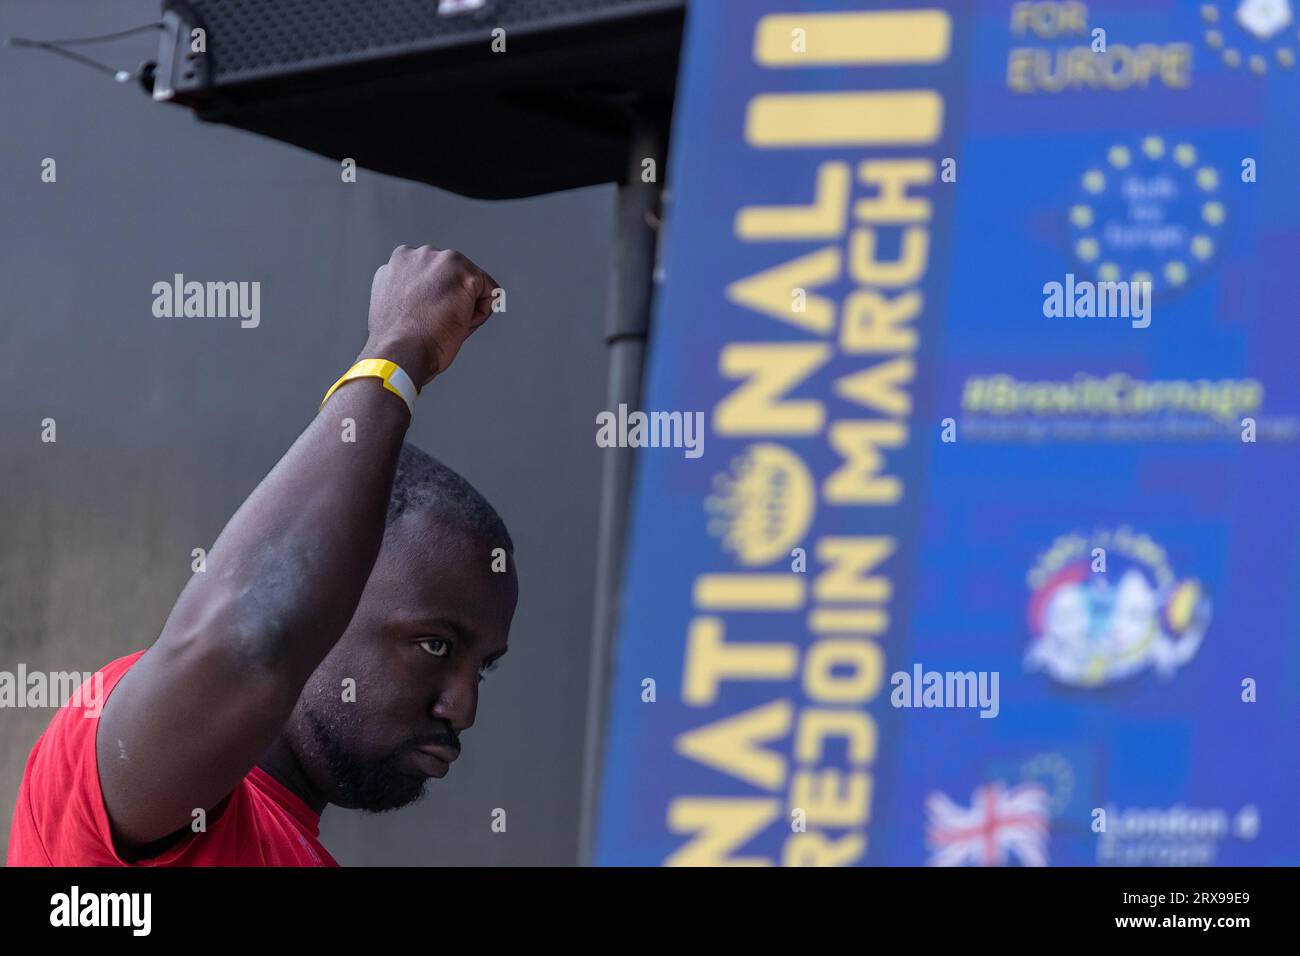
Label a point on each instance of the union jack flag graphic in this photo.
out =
(999, 824)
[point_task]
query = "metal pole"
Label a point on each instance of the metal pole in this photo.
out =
(626, 326)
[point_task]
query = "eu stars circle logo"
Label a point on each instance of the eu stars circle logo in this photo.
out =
(1148, 211)
(1252, 34)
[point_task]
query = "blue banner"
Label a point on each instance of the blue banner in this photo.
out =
(990, 555)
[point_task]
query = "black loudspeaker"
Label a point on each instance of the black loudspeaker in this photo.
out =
(488, 98)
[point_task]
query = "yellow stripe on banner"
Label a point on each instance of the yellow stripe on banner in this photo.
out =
(749, 592)
(896, 118)
(895, 36)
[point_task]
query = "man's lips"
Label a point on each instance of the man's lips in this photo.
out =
(434, 760)
(443, 752)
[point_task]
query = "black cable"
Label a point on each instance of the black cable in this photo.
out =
(87, 61)
(57, 46)
(104, 38)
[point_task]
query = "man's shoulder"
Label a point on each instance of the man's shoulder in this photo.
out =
(115, 668)
(59, 799)
(78, 716)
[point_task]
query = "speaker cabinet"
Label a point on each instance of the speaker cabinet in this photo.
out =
(488, 98)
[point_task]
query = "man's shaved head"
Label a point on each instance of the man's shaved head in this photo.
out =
(425, 485)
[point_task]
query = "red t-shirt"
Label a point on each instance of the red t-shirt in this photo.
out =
(60, 818)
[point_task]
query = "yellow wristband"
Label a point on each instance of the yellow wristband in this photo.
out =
(395, 380)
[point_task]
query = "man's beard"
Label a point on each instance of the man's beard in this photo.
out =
(374, 786)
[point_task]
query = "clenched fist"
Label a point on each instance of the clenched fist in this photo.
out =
(424, 304)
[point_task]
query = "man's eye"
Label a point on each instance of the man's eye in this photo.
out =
(435, 646)
(485, 670)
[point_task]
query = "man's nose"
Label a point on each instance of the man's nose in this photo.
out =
(457, 702)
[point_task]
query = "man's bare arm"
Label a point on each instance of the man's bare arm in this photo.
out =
(283, 579)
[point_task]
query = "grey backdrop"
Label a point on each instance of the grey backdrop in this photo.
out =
(164, 425)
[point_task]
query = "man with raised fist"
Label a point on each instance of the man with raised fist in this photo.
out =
(330, 651)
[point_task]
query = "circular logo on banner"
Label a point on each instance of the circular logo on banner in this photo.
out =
(1108, 607)
(1150, 211)
(763, 507)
